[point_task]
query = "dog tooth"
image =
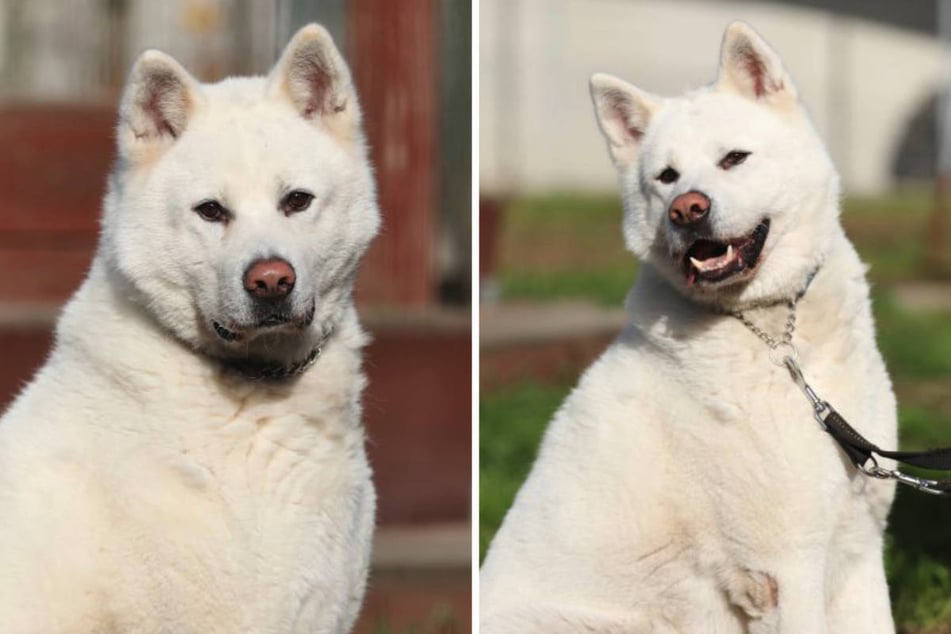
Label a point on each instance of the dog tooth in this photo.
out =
(697, 263)
(729, 252)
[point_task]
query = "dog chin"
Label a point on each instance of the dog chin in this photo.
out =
(268, 324)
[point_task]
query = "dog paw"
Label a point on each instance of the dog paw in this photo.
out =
(754, 592)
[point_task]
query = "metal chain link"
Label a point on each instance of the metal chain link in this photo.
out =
(770, 341)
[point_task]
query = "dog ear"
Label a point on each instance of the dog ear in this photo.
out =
(623, 113)
(314, 77)
(159, 98)
(749, 67)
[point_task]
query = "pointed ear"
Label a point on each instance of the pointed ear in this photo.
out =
(623, 113)
(313, 76)
(159, 99)
(749, 67)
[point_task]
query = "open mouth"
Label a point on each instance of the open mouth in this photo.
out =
(713, 261)
(272, 321)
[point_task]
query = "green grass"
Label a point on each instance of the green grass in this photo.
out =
(607, 287)
(566, 246)
(917, 350)
(511, 424)
(889, 232)
(915, 345)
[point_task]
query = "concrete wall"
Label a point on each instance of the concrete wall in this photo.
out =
(862, 81)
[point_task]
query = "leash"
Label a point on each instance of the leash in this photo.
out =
(860, 451)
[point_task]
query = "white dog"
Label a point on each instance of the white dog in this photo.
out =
(191, 457)
(685, 486)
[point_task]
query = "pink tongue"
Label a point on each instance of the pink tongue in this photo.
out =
(720, 260)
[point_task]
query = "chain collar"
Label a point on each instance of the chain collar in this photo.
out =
(773, 343)
(255, 370)
(784, 340)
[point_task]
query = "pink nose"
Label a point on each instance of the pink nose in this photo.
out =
(689, 208)
(269, 279)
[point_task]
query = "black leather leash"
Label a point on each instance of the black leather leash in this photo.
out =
(862, 453)
(859, 450)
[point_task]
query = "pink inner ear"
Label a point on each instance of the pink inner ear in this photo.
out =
(161, 90)
(623, 115)
(315, 75)
(754, 66)
(153, 109)
(622, 112)
(317, 83)
(756, 70)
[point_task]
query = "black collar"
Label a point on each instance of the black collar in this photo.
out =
(258, 370)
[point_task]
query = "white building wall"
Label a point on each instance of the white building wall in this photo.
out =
(861, 81)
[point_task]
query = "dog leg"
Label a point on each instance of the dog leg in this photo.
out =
(756, 595)
(801, 606)
(754, 592)
(859, 599)
(778, 603)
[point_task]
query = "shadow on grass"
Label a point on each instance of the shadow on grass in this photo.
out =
(919, 562)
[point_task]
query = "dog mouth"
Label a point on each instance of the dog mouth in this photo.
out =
(714, 261)
(271, 322)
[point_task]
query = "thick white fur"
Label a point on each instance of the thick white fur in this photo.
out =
(684, 486)
(144, 488)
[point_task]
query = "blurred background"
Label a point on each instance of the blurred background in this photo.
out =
(554, 272)
(62, 68)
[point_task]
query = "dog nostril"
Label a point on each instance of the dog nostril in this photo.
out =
(689, 208)
(269, 279)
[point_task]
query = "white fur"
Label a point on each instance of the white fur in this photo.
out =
(684, 486)
(143, 487)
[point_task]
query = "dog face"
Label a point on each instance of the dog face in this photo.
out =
(727, 191)
(239, 210)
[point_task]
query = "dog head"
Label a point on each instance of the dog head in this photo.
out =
(238, 211)
(727, 190)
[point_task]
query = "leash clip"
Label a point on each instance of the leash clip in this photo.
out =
(920, 484)
(820, 407)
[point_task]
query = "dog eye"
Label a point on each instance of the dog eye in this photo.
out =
(669, 175)
(732, 159)
(211, 211)
(296, 201)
